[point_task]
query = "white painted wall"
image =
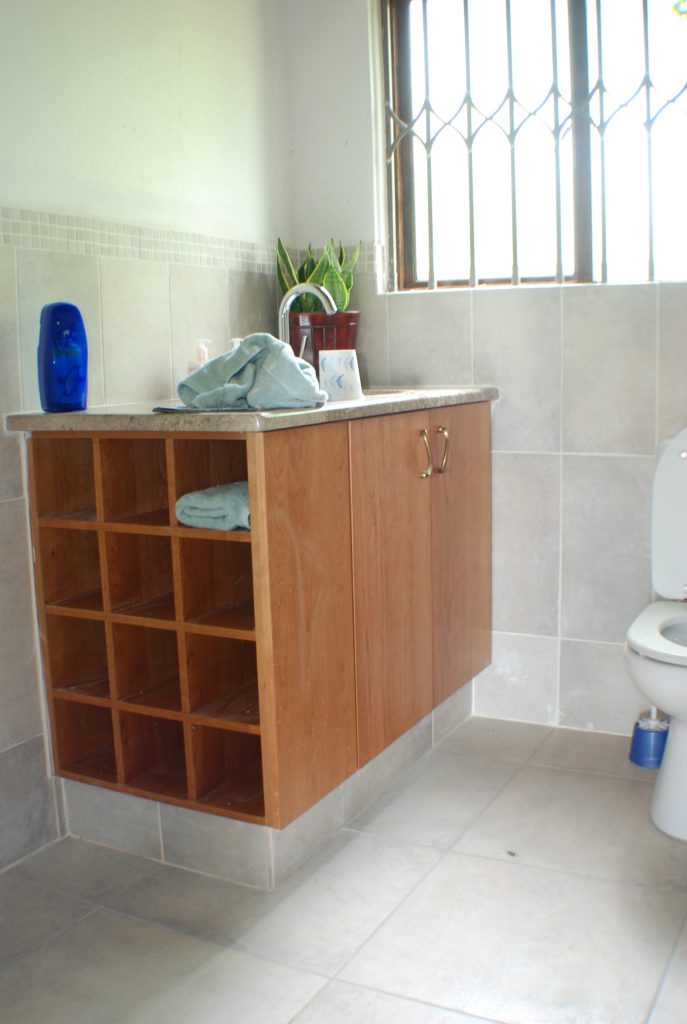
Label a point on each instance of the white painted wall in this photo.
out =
(145, 111)
(330, 119)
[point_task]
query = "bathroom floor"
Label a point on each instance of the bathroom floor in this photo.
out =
(513, 875)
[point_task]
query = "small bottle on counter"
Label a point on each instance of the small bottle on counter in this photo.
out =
(62, 358)
(202, 355)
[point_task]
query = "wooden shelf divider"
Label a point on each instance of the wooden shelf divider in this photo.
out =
(150, 691)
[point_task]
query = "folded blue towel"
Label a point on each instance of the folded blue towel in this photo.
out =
(218, 508)
(260, 373)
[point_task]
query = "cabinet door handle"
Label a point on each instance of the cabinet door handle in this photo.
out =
(424, 434)
(444, 458)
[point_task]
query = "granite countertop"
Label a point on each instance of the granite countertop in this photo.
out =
(140, 416)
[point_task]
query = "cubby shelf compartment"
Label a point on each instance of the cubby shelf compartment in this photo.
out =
(146, 666)
(70, 568)
(153, 755)
(139, 570)
(62, 469)
(84, 740)
(228, 772)
(134, 480)
(217, 584)
(222, 680)
(77, 656)
(199, 464)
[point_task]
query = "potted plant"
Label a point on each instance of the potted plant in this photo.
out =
(311, 329)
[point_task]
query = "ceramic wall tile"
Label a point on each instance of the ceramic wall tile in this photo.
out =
(517, 344)
(44, 277)
(136, 330)
(672, 364)
(451, 713)
(606, 572)
(118, 820)
(430, 338)
(253, 303)
(372, 343)
(596, 691)
(10, 386)
(609, 368)
(526, 527)
(522, 681)
(234, 850)
(27, 802)
(20, 716)
(291, 846)
(367, 784)
(199, 306)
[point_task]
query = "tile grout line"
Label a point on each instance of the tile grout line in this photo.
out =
(669, 963)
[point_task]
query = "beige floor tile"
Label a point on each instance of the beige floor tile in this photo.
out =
(324, 913)
(341, 1003)
(316, 919)
(671, 1005)
(574, 821)
(84, 870)
(30, 915)
(434, 802)
(516, 943)
(111, 969)
(590, 752)
(489, 737)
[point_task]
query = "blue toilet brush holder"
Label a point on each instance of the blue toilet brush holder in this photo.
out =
(649, 740)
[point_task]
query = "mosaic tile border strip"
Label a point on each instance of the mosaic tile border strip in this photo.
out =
(57, 232)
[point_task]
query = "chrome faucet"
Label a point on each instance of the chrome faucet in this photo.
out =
(302, 289)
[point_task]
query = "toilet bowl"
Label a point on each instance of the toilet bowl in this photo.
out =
(656, 648)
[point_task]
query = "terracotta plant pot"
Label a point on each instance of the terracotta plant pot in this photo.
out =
(312, 332)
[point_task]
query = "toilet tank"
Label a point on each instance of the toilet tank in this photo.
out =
(669, 521)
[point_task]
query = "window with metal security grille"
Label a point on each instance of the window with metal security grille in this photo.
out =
(536, 140)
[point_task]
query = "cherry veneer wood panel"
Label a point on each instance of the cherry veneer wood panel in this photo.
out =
(304, 614)
(203, 463)
(215, 576)
(153, 754)
(76, 655)
(227, 770)
(222, 677)
(134, 478)
(84, 740)
(146, 666)
(70, 567)
(62, 471)
(139, 572)
(392, 577)
(461, 547)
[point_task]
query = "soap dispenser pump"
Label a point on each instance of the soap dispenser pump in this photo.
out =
(202, 355)
(62, 358)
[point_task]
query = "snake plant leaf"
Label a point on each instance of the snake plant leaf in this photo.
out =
(286, 274)
(347, 265)
(336, 286)
(307, 266)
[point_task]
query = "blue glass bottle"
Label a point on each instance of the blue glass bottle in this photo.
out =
(62, 358)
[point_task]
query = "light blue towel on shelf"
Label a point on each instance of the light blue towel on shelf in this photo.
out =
(260, 373)
(217, 508)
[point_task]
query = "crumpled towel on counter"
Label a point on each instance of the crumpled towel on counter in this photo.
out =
(260, 373)
(225, 507)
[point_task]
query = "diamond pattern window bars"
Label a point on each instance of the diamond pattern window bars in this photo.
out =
(536, 140)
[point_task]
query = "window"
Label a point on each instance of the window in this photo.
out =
(536, 140)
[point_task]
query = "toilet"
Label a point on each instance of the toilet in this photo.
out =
(656, 648)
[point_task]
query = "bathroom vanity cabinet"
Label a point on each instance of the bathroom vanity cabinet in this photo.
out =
(248, 673)
(421, 502)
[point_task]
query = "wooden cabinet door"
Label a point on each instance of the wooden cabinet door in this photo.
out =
(461, 545)
(391, 524)
(304, 614)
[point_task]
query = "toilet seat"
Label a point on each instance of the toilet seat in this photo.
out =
(645, 634)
